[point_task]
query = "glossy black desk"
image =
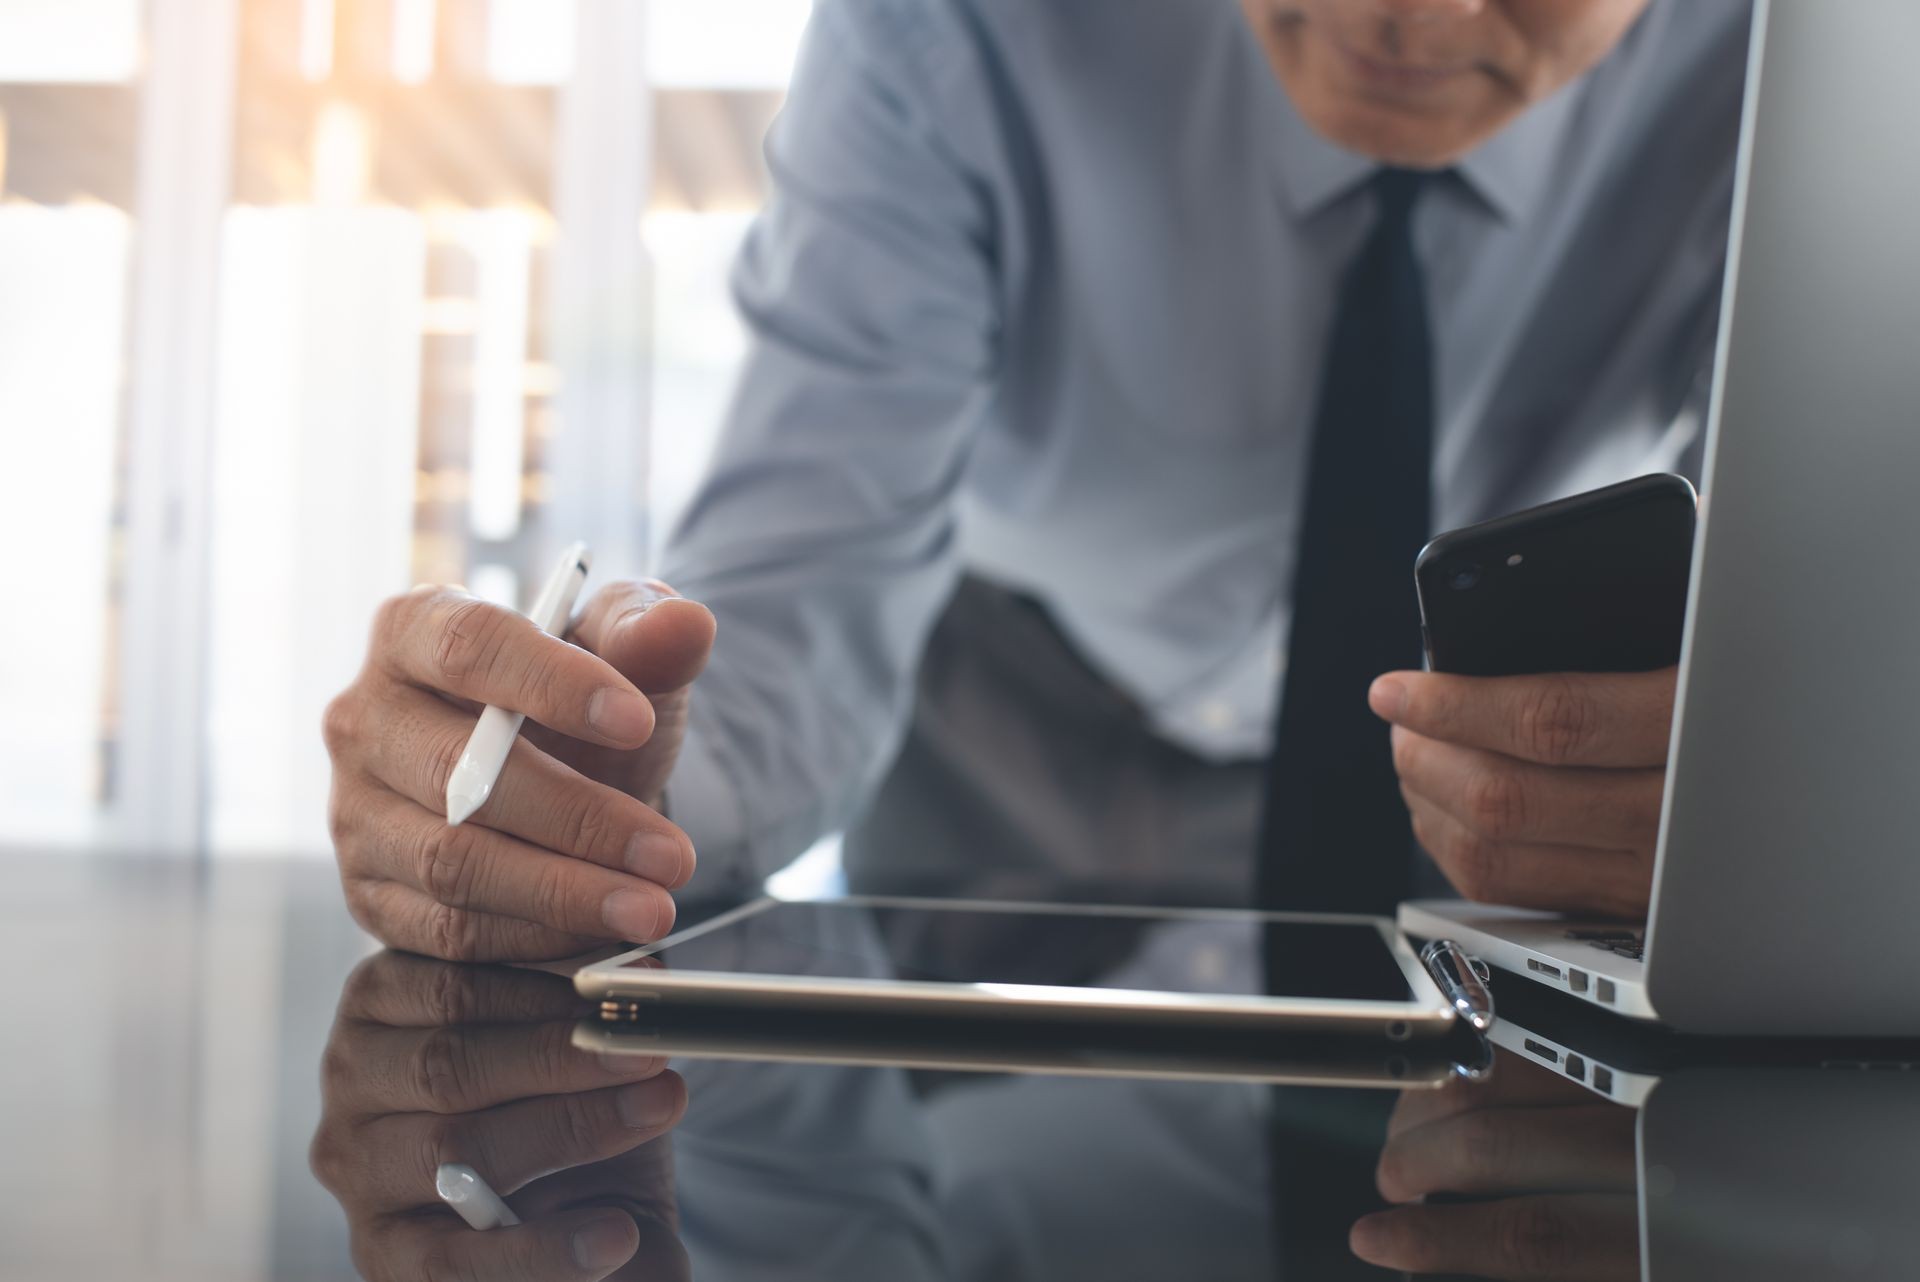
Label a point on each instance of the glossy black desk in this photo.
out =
(170, 1030)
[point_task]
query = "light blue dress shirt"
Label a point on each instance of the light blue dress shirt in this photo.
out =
(1043, 295)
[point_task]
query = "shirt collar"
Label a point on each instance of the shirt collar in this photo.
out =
(1509, 172)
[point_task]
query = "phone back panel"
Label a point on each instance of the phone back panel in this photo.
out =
(1594, 583)
(1789, 870)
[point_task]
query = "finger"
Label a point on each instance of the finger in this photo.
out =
(654, 637)
(1580, 1148)
(1563, 719)
(583, 1246)
(480, 870)
(1519, 875)
(419, 741)
(409, 919)
(466, 1068)
(444, 640)
(1511, 800)
(639, 1182)
(1515, 1083)
(1579, 1238)
(391, 1162)
(400, 990)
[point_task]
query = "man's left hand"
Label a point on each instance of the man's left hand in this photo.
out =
(1535, 791)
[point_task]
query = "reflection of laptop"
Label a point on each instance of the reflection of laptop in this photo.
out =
(1777, 1160)
(1624, 1060)
(1789, 864)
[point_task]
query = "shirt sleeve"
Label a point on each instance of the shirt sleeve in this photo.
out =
(824, 536)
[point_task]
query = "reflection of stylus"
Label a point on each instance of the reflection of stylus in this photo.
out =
(461, 1188)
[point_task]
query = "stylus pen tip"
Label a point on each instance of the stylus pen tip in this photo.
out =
(460, 807)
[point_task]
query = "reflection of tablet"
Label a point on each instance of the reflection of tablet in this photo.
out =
(1063, 1050)
(1186, 970)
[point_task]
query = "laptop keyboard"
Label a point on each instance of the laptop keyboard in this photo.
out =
(1622, 941)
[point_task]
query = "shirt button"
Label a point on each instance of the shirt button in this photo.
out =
(1217, 715)
(1209, 967)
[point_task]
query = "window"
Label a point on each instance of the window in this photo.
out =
(305, 301)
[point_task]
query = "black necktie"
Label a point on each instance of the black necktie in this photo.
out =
(1335, 837)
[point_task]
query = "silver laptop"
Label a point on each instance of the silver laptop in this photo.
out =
(1787, 885)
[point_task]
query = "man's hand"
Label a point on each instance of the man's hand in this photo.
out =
(430, 1063)
(1549, 1166)
(570, 848)
(1536, 791)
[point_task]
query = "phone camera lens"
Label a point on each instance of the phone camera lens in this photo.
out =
(1466, 578)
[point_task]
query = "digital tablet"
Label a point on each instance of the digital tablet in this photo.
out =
(1186, 970)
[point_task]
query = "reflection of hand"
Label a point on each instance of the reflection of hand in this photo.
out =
(570, 847)
(431, 1063)
(1553, 1164)
(1536, 791)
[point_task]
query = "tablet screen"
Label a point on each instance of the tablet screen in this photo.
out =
(1211, 953)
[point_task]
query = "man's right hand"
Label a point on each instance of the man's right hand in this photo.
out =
(570, 849)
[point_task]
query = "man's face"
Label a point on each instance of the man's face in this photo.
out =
(1422, 82)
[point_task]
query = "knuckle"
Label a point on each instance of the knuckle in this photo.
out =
(442, 1072)
(390, 618)
(1495, 801)
(549, 894)
(451, 998)
(582, 1126)
(1485, 1151)
(442, 755)
(445, 863)
(438, 1265)
(544, 678)
(552, 1056)
(469, 640)
(438, 1144)
(1556, 721)
(453, 934)
(587, 824)
(1537, 1238)
(340, 723)
(326, 1156)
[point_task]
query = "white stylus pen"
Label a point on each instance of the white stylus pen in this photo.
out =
(486, 752)
(472, 1198)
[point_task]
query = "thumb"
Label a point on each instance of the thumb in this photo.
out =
(653, 636)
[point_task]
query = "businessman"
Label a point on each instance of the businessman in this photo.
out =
(1111, 361)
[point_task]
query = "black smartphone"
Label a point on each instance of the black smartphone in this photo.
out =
(1593, 583)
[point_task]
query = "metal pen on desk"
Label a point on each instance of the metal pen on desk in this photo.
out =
(486, 752)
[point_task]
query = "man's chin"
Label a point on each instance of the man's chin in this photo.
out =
(1398, 134)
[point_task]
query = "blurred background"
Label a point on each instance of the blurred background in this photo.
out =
(303, 302)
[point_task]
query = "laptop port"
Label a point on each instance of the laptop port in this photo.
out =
(1604, 991)
(1603, 1080)
(1542, 968)
(1547, 1053)
(1577, 980)
(1576, 1068)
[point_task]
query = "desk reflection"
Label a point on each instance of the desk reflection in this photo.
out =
(747, 1169)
